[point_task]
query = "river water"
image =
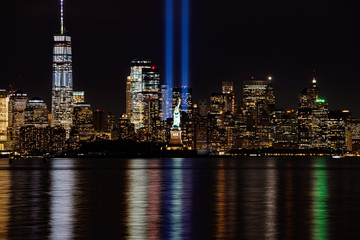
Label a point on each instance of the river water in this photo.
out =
(241, 198)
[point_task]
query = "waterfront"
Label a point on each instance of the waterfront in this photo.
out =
(243, 198)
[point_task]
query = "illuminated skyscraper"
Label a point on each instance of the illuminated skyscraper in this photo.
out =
(284, 129)
(62, 82)
(227, 87)
(258, 101)
(109, 122)
(320, 116)
(4, 101)
(151, 104)
(258, 98)
(136, 75)
(36, 113)
(78, 97)
(217, 103)
(83, 121)
(312, 115)
(126, 129)
(128, 96)
(17, 105)
(337, 131)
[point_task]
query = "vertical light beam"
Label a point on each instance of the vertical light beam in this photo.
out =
(169, 38)
(185, 45)
(62, 16)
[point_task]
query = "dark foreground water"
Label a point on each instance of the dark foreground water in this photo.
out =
(253, 198)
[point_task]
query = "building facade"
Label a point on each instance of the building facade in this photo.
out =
(62, 83)
(4, 119)
(17, 106)
(36, 113)
(136, 90)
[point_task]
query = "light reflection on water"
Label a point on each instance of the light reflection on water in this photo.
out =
(173, 200)
(271, 189)
(154, 192)
(256, 198)
(61, 195)
(137, 200)
(320, 198)
(5, 182)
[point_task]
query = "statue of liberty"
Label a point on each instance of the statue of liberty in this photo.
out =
(177, 116)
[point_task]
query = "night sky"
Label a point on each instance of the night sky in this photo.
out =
(230, 41)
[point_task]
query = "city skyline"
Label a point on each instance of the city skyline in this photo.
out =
(205, 78)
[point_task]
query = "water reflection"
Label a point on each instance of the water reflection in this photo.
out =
(180, 199)
(320, 198)
(154, 192)
(172, 199)
(220, 202)
(4, 202)
(271, 190)
(61, 194)
(187, 198)
(29, 202)
(137, 199)
(252, 191)
(289, 202)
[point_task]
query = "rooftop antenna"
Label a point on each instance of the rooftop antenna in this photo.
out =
(62, 16)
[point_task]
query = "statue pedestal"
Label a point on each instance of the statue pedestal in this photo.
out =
(175, 140)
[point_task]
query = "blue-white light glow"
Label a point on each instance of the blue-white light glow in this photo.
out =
(169, 52)
(185, 43)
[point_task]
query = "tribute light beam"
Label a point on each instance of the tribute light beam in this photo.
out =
(185, 47)
(169, 54)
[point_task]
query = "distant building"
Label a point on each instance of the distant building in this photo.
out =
(4, 119)
(313, 119)
(17, 106)
(110, 126)
(320, 124)
(337, 131)
(136, 77)
(83, 121)
(128, 96)
(355, 134)
(109, 122)
(218, 103)
(37, 140)
(284, 129)
(36, 113)
(216, 133)
(307, 98)
(228, 90)
(227, 87)
(151, 105)
(62, 82)
(126, 129)
(99, 120)
(78, 97)
(203, 108)
(258, 103)
(200, 129)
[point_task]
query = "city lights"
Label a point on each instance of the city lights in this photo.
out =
(163, 114)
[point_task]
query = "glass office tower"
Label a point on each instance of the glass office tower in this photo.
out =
(62, 80)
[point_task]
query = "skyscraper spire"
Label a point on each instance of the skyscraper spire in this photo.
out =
(62, 16)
